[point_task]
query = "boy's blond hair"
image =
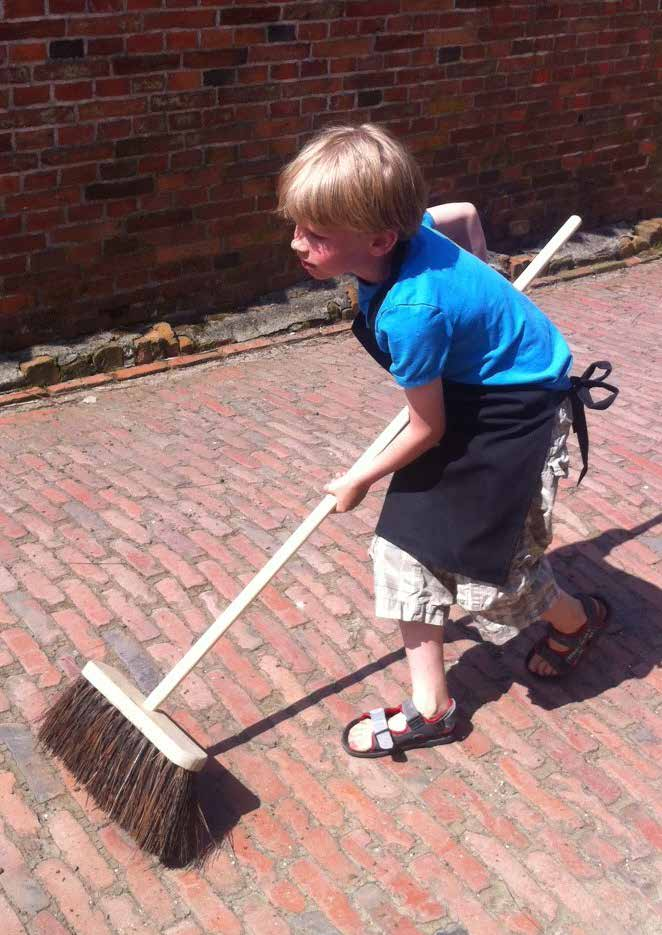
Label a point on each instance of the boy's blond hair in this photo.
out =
(354, 178)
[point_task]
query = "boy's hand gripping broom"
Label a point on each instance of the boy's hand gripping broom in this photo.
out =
(137, 765)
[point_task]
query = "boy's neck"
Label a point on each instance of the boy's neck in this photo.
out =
(375, 269)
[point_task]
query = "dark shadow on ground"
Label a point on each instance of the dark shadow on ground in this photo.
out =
(631, 647)
(223, 799)
(218, 800)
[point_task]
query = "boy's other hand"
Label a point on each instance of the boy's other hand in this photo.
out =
(348, 491)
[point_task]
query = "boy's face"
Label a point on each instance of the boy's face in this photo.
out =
(325, 253)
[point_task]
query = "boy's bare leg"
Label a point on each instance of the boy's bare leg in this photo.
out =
(567, 615)
(424, 645)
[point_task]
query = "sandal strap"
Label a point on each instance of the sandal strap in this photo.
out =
(380, 729)
(413, 715)
(596, 609)
(558, 660)
(417, 722)
(594, 623)
(570, 640)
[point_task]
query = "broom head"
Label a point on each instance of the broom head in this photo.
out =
(137, 765)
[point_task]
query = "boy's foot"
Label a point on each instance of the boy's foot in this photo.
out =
(557, 654)
(384, 731)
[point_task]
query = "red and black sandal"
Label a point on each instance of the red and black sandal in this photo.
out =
(565, 661)
(420, 731)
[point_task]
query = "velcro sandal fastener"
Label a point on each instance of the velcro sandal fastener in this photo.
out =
(413, 715)
(380, 729)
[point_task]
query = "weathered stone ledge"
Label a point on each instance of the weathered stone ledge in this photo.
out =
(294, 314)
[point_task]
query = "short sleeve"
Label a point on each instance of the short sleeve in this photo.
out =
(418, 339)
(428, 221)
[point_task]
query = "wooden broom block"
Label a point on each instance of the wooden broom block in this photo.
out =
(171, 740)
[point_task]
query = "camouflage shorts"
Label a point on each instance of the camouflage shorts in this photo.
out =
(408, 591)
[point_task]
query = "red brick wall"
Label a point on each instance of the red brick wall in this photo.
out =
(140, 139)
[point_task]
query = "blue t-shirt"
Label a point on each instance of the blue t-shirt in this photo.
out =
(450, 314)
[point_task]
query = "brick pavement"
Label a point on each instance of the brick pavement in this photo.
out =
(127, 522)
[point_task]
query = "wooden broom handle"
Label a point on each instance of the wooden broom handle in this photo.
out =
(264, 576)
(321, 511)
(542, 259)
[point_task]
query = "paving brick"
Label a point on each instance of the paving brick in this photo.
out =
(142, 670)
(73, 901)
(184, 928)
(27, 610)
(513, 873)
(46, 924)
(265, 782)
(87, 602)
(552, 807)
(234, 698)
(130, 616)
(240, 667)
(188, 576)
(11, 924)
(86, 640)
(567, 890)
(18, 882)
(144, 885)
(83, 541)
(78, 850)
(42, 782)
(258, 917)
(193, 691)
(380, 908)
(313, 923)
(285, 896)
(451, 893)
(206, 906)
(88, 520)
(333, 902)
(123, 915)
(277, 636)
(132, 583)
(33, 660)
(137, 558)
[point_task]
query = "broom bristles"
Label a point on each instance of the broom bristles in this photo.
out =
(152, 799)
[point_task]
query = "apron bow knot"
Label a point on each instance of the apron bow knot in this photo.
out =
(580, 395)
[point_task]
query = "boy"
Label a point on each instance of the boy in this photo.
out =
(467, 515)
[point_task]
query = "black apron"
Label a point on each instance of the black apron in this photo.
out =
(461, 506)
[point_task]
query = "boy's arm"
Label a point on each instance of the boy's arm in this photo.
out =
(459, 222)
(427, 423)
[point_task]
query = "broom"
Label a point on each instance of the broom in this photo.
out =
(138, 766)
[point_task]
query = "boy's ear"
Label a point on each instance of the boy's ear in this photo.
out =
(383, 242)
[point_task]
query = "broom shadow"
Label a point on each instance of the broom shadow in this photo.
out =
(631, 647)
(222, 800)
(314, 698)
(222, 797)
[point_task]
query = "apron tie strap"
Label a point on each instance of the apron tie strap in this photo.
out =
(580, 395)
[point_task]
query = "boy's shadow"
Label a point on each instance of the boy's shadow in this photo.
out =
(631, 646)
